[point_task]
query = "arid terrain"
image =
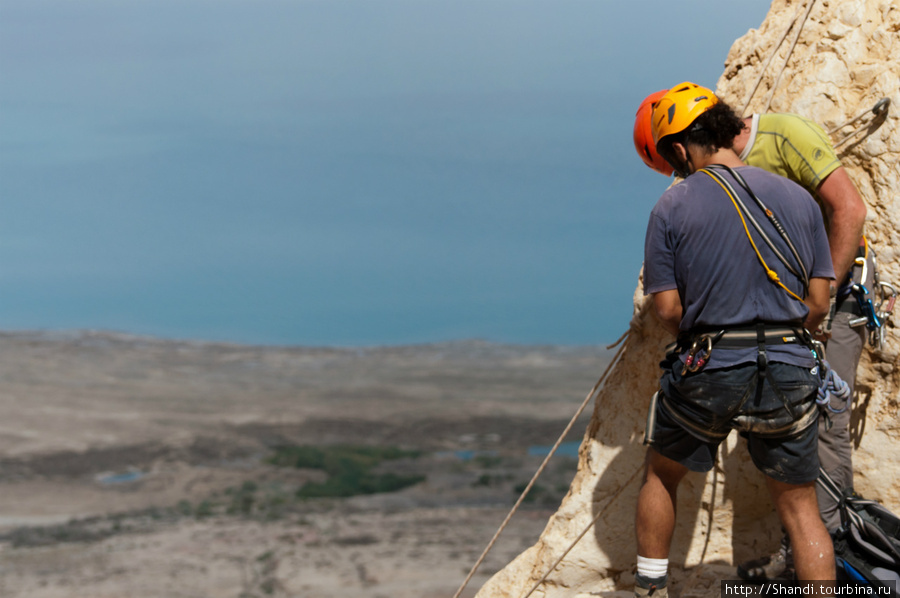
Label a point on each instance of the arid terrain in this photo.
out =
(141, 467)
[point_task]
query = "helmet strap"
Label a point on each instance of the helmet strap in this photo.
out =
(680, 160)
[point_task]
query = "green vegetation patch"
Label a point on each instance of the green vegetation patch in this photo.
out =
(349, 469)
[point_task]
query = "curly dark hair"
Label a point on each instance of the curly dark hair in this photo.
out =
(714, 129)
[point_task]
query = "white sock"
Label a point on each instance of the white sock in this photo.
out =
(652, 568)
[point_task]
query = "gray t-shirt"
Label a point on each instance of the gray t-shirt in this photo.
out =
(697, 244)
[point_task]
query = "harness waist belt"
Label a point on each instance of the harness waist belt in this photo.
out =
(744, 338)
(747, 337)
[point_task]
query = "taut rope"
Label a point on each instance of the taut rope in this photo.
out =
(540, 470)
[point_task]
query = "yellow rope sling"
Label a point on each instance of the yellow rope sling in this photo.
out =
(773, 276)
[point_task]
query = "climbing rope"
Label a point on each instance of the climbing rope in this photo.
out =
(831, 386)
(584, 532)
(788, 57)
(770, 273)
(772, 56)
(769, 61)
(543, 465)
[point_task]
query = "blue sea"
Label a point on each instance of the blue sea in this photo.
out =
(335, 173)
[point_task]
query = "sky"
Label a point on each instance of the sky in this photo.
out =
(336, 172)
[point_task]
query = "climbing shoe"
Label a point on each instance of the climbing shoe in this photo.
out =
(650, 586)
(777, 566)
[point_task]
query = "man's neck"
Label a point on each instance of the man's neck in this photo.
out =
(724, 156)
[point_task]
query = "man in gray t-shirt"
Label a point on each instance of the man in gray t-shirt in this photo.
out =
(737, 299)
(696, 244)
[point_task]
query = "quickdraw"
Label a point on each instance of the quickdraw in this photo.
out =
(887, 295)
(878, 114)
(874, 313)
(869, 315)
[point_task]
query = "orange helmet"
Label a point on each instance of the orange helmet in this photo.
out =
(678, 108)
(643, 135)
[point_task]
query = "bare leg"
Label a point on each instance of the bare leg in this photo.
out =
(655, 518)
(799, 512)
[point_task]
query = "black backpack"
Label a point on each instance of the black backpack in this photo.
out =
(867, 545)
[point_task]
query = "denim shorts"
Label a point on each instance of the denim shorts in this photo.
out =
(776, 412)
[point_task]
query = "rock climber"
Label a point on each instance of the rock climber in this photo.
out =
(797, 148)
(738, 305)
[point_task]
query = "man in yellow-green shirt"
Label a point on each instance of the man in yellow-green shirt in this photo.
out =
(797, 148)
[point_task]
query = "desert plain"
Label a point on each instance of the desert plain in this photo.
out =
(143, 467)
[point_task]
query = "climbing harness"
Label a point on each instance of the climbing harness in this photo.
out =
(800, 271)
(759, 336)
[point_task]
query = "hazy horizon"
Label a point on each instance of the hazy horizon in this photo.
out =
(335, 173)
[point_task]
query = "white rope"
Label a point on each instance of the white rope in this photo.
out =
(788, 57)
(711, 507)
(540, 470)
(769, 61)
(584, 532)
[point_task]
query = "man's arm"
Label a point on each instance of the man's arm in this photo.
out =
(846, 214)
(817, 301)
(669, 310)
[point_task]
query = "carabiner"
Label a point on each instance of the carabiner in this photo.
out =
(861, 261)
(890, 299)
(883, 312)
(698, 355)
(873, 322)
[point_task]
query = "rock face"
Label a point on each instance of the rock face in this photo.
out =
(847, 58)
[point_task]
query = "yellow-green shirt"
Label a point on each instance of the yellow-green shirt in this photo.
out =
(792, 146)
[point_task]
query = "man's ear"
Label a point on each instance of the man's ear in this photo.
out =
(680, 151)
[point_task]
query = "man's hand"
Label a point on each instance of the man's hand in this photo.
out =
(823, 332)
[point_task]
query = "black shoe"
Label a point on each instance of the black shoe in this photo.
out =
(777, 566)
(654, 587)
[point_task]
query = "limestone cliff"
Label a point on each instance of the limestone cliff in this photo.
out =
(846, 58)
